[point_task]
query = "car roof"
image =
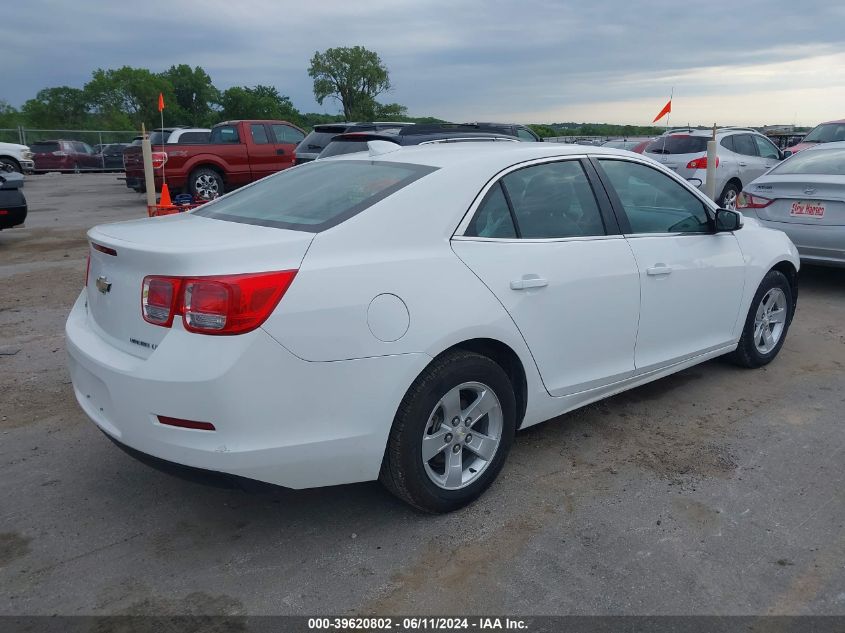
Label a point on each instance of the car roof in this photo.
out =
(827, 122)
(414, 137)
(495, 156)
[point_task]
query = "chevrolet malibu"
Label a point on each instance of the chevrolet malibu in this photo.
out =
(398, 314)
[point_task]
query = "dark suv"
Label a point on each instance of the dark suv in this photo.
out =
(351, 142)
(311, 146)
(522, 132)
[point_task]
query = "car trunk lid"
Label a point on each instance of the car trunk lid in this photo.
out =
(182, 245)
(802, 199)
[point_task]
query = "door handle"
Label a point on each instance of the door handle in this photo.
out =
(280, 152)
(743, 164)
(529, 281)
(659, 269)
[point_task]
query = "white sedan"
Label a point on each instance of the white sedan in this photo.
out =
(399, 314)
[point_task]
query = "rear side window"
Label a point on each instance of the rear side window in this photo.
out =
(314, 196)
(225, 134)
(728, 143)
(159, 137)
(317, 140)
(493, 218)
(744, 144)
(44, 147)
(259, 134)
(827, 162)
(525, 135)
(339, 148)
(678, 144)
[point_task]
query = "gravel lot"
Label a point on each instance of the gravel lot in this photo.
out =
(715, 491)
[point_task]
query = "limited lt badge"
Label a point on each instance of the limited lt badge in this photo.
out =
(103, 284)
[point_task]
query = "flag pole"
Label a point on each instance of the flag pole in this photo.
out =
(668, 114)
(161, 111)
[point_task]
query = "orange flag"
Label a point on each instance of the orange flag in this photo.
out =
(160, 102)
(666, 110)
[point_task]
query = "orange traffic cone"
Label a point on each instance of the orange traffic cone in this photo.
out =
(165, 201)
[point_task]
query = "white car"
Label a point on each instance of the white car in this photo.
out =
(399, 314)
(18, 157)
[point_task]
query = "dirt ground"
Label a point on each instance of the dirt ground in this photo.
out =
(714, 491)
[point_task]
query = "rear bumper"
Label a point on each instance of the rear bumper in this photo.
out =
(12, 216)
(278, 419)
(817, 244)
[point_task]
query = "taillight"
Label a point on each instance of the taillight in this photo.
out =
(159, 158)
(228, 304)
(159, 296)
(750, 201)
(700, 163)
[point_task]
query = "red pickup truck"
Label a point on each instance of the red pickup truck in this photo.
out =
(238, 152)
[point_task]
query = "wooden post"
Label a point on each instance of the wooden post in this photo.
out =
(149, 179)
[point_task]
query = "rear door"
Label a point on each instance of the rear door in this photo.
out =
(286, 139)
(544, 241)
(691, 278)
(233, 149)
(262, 150)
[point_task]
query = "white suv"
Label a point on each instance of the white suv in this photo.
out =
(743, 155)
(18, 156)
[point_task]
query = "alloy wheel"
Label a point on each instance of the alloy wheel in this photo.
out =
(770, 320)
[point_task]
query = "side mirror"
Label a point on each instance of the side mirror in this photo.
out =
(786, 153)
(728, 220)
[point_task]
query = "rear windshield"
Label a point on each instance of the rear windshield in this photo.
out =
(44, 147)
(680, 144)
(314, 196)
(826, 162)
(317, 140)
(338, 148)
(826, 133)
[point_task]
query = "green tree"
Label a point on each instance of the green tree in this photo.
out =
(260, 102)
(354, 76)
(9, 116)
(194, 95)
(132, 92)
(59, 107)
(544, 131)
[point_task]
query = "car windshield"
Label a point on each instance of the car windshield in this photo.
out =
(827, 162)
(678, 144)
(826, 133)
(314, 196)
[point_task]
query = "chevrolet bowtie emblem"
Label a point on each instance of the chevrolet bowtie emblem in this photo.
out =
(103, 284)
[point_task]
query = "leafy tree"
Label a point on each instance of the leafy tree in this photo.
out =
(354, 76)
(60, 107)
(544, 131)
(131, 91)
(260, 102)
(194, 95)
(9, 116)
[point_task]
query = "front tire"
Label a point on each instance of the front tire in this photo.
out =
(12, 163)
(767, 322)
(451, 434)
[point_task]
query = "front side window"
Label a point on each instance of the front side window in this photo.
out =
(287, 134)
(765, 148)
(525, 135)
(314, 196)
(655, 202)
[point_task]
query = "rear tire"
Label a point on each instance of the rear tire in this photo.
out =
(771, 311)
(729, 196)
(473, 452)
(206, 184)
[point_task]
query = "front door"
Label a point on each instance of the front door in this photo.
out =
(539, 241)
(691, 278)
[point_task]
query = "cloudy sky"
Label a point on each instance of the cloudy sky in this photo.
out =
(739, 62)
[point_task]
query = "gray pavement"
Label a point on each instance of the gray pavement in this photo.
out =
(714, 491)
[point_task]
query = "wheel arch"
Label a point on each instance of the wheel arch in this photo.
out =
(205, 164)
(12, 159)
(504, 356)
(787, 268)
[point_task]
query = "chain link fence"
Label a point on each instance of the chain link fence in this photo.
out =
(84, 150)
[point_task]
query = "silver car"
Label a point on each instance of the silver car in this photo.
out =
(743, 154)
(805, 198)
